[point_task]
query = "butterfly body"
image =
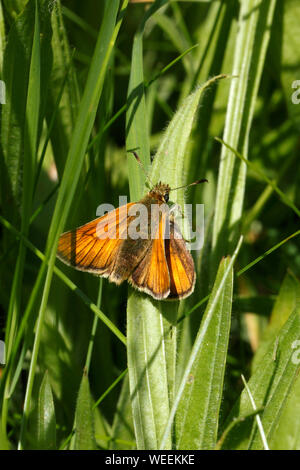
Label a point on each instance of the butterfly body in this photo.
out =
(156, 261)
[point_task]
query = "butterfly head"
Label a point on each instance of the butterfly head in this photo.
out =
(160, 192)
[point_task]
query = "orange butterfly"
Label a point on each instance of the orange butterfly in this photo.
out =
(156, 262)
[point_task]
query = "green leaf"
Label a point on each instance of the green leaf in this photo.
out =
(200, 343)
(63, 75)
(151, 336)
(287, 435)
(285, 53)
(215, 37)
(84, 424)
(169, 161)
(85, 120)
(270, 386)
(146, 346)
(21, 89)
(198, 410)
(20, 157)
(251, 42)
(137, 132)
(285, 304)
(122, 428)
(46, 424)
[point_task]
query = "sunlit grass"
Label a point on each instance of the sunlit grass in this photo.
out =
(84, 368)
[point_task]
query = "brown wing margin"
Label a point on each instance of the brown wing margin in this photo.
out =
(152, 274)
(180, 264)
(85, 250)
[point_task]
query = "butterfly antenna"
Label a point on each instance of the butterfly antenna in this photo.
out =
(191, 184)
(141, 165)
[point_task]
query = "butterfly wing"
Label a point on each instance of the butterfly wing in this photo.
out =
(180, 264)
(93, 247)
(165, 271)
(152, 274)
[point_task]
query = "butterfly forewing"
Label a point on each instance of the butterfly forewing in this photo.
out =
(159, 265)
(93, 247)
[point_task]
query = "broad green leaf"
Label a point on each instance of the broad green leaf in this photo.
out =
(146, 346)
(287, 434)
(199, 343)
(255, 20)
(198, 410)
(169, 161)
(84, 424)
(137, 132)
(46, 423)
(270, 386)
(151, 336)
(150, 399)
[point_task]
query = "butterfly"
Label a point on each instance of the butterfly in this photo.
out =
(154, 258)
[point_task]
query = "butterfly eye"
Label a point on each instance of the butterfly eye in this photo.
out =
(166, 197)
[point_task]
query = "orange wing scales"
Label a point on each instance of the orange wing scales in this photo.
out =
(83, 249)
(181, 265)
(152, 274)
(164, 270)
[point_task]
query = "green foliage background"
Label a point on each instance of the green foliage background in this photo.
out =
(91, 365)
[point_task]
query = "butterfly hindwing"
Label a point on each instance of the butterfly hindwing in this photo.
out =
(161, 267)
(180, 264)
(152, 274)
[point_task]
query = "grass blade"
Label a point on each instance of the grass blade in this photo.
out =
(270, 385)
(257, 417)
(86, 116)
(147, 361)
(199, 342)
(63, 75)
(196, 417)
(251, 44)
(273, 184)
(146, 353)
(150, 353)
(84, 425)
(137, 136)
(2, 38)
(37, 18)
